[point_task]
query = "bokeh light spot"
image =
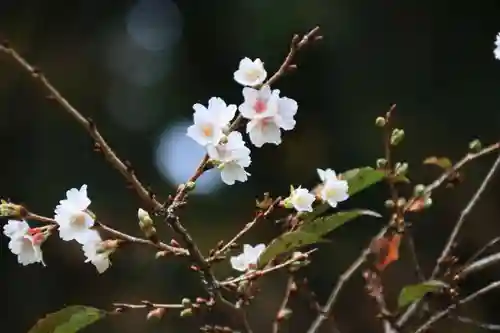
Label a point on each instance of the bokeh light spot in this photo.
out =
(178, 156)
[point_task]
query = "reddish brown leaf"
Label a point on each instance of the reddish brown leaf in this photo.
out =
(417, 205)
(386, 250)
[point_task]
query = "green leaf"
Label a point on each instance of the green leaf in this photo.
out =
(285, 243)
(68, 320)
(442, 162)
(358, 179)
(415, 292)
(323, 225)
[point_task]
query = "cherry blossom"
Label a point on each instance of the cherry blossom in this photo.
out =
(73, 217)
(210, 122)
(95, 252)
(300, 199)
(250, 73)
(334, 190)
(232, 157)
(496, 52)
(248, 259)
(25, 242)
(268, 113)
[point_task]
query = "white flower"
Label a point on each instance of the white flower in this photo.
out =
(267, 113)
(334, 190)
(250, 73)
(72, 216)
(95, 252)
(248, 259)
(24, 242)
(233, 157)
(210, 122)
(300, 199)
(496, 52)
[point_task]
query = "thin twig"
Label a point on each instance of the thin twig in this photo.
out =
(479, 265)
(253, 274)
(442, 314)
(486, 326)
(116, 233)
(148, 305)
(124, 168)
(290, 284)
(413, 253)
(463, 215)
(482, 250)
(323, 315)
(260, 216)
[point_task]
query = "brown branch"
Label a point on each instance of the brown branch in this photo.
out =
(442, 314)
(124, 168)
(254, 274)
(463, 216)
(260, 216)
(332, 298)
(280, 314)
(479, 265)
(148, 305)
(116, 233)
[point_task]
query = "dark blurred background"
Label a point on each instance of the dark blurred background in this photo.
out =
(137, 67)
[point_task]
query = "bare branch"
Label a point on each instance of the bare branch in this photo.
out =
(123, 167)
(480, 265)
(486, 326)
(463, 215)
(442, 314)
(323, 315)
(116, 233)
(290, 285)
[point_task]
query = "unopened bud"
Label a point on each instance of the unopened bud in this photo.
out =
(186, 302)
(284, 314)
(475, 146)
(186, 313)
(401, 169)
(389, 203)
(174, 243)
(419, 190)
(427, 202)
(381, 163)
(380, 122)
(8, 209)
(142, 214)
(397, 136)
(156, 313)
(401, 202)
(190, 186)
(160, 254)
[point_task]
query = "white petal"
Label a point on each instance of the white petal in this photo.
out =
(263, 131)
(15, 228)
(239, 263)
(321, 174)
(232, 172)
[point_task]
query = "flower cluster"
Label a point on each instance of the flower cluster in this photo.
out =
(74, 222)
(333, 190)
(267, 114)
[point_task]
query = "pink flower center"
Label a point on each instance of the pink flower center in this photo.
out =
(260, 106)
(38, 239)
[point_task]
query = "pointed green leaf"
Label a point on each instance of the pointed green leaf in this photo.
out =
(358, 179)
(285, 243)
(415, 292)
(68, 320)
(323, 225)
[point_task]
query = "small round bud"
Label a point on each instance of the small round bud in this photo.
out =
(419, 190)
(401, 169)
(190, 186)
(380, 122)
(381, 163)
(397, 136)
(389, 204)
(427, 202)
(156, 313)
(186, 313)
(401, 202)
(186, 302)
(475, 146)
(142, 214)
